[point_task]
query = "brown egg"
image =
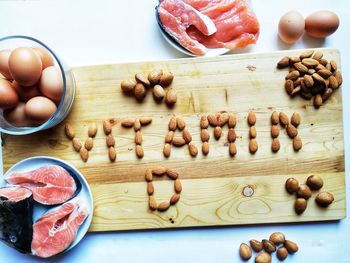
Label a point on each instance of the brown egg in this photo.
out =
(17, 117)
(46, 58)
(321, 24)
(25, 93)
(291, 27)
(4, 63)
(51, 83)
(8, 95)
(40, 109)
(25, 66)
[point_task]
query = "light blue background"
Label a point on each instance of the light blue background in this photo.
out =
(100, 32)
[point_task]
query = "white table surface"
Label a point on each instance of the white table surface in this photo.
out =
(101, 32)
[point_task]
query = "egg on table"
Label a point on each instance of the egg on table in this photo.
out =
(8, 96)
(25, 66)
(46, 58)
(51, 83)
(291, 27)
(4, 63)
(40, 109)
(17, 116)
(321, 24)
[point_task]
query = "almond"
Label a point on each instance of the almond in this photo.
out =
(300, 205)
(304, 191)
(89, 144)
(232, 149)
(68, 129)
(128, 123)
(178, 141)
(128, 86)
(163, 206)
(170, 98)
(274, 118)
(318, 78)
(166, 79)
(283, 119)
(180, 124)
(275, 131)
(292, 185)
(318, 101)
(268, 246)
(110, 141)
(107, 127)
(154, 76)
(166, 150)
(293, 75)
(172, 124)
(297, 143)
(174, 199)
(84, 154)
(158, 93)
(152, 203)
(145, 120)
(212, 120)
(139, 91)
(306, 54)
(283, 63)
(141, 79)
(172, 174)
(323, 61)
(324, 73)
(317, 55)
(324, 199)
(263, 257)
(148, 175)
(231, 135)
(137, 125)
(295, 120)
(310, 62)
(186, 135)
(282, 253)
(139, 151)
(192, 149)
(159, 171)
(277, 238)
(112, 154)
(311, 71)
(169, 137)
(329, 66)
(309, 81)
(138, 138)
(231, 122)
(291, 131)
(334, 66)
(253, 146)
(204, 123)
(293, 60)
(291, 246)
(252, 132)
(315, 182)
(205, 135)
(205, 148)
(296, 90)
(245, 252)
(223, 118)
(298, 81)
(333, 82)
(320, 67)
(275, 145)
(150, 188)
(92, 130)
(251, 118)
(256, 245)
(76, 144)
(326, 95)
(289, 86)
(177, 186)
(339, 77)
(300, 67)
(217, 132)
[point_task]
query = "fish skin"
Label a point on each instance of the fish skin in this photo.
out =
(16, 224)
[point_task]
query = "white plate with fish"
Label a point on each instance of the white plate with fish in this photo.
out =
(66, 203)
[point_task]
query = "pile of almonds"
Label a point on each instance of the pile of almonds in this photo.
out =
(253, 145)
(291, 128)
(158, 79)
(160, 171)
(311, 76)
(275, 242)
(304, 191)
(170, 139)
(137, 124)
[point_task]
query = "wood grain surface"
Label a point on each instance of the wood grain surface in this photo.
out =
(212, 185)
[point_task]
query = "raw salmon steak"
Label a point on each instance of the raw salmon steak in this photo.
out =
(56, 230)
(50, 184)
(16, 211)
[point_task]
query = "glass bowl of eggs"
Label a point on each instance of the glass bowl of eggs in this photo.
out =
(36, 89)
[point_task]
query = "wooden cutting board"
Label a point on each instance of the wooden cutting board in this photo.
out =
(212, 186)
